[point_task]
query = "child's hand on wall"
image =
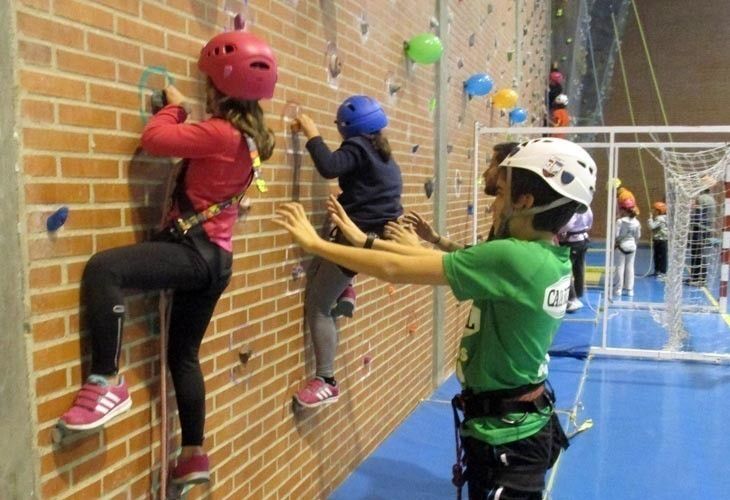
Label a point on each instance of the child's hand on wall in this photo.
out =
(306, 125)
(174, 96)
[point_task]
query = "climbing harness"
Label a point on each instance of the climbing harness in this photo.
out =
(497, 404)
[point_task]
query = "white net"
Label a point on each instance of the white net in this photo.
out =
(695, 196)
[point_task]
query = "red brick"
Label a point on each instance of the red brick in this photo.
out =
(110, 96)
(50, 382)
(55, 485)
(59, 247)
(129, 6)
(34, 53)
(52, 85)
(89, 167)
(95, 219)
(174, 65)
(99, 462)
(142, 32)
(115, 48)
(168, 18)
(115, 144)
(39, 166)
(50, 31)
(86, 116)
(84, 13)
(72, 62)
(48, 330)
(54, 140)
(41, 277)
(56, 193)
(36, 111)
(42, 303)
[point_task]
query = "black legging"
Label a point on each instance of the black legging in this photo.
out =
(197, 285)
(577, 258)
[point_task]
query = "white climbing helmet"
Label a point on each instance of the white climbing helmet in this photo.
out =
(567, 168)
(561, 99)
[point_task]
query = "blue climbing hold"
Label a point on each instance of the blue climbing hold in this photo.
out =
(57, 219)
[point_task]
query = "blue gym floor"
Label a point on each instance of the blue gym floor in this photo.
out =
(659, 427)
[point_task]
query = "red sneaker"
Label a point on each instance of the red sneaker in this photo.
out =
(191, 470)
(97, 403)
(317, 392)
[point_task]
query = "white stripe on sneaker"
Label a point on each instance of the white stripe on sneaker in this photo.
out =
(324, 393)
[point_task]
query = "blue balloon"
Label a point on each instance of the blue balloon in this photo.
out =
(478, 84)
(517, 115)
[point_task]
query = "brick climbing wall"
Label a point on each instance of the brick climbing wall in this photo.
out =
(85, 72)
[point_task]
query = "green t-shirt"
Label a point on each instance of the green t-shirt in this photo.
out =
(519, 291)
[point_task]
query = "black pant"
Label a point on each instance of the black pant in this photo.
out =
(660, 256)
(697, 243)
(578, 251)
(197, 282)
(516, 470)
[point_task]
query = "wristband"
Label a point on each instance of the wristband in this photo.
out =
(370, 240)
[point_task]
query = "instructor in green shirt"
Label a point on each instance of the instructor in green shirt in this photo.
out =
(519, 285)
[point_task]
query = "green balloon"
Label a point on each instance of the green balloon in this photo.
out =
(425, 48)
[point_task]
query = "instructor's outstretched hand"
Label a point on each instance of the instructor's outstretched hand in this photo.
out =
(294, 219)
(348, 228)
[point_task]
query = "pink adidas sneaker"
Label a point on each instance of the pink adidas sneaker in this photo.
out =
(191, 470)
(97, 403)
(317, 392)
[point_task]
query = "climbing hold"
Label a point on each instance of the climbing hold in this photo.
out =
(57, 219)
(414, 148)
(425, 48)
(367, 359)
(478, 84)
(432, 105)
(470, 209)
(509, 56)
(244, 355)
(412, 328)
(449, 148)
(472, 39)
(568, 41)
(297, 272)
(559, 12)
(428, 187)
(391, 290)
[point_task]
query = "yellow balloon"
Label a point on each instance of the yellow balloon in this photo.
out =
(505, 99)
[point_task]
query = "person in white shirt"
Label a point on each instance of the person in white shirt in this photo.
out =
(628, 232)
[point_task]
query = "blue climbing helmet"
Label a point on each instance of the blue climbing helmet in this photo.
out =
(360, 114)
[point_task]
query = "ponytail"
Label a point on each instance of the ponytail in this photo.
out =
(381, 145)
(248, 118)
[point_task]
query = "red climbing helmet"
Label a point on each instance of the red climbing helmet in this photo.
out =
(240, 65)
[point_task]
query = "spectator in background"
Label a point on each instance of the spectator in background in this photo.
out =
(575, 236)
(659, 236)
(702, 220)
(555, 85)
(624, 196)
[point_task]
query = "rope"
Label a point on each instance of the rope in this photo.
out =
(651, 66)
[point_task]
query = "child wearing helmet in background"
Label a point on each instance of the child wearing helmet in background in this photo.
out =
(559, 116)
(519, 284)
(659, 236)
(371, 185)
(628, 232)
(192, 254)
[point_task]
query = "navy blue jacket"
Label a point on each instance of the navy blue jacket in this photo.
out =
(371, 188)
